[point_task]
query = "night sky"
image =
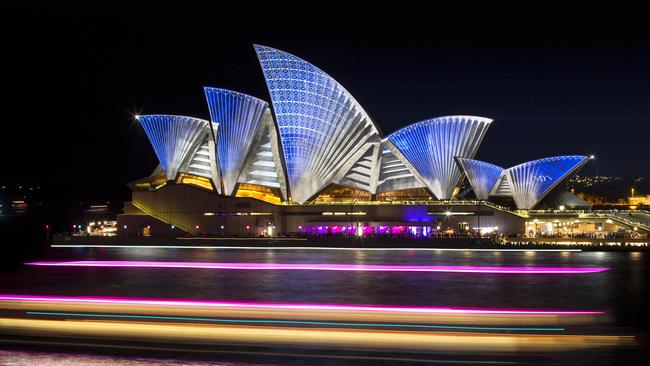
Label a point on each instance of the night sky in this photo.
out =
(556, 79)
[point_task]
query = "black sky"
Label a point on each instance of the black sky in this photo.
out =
(557, 79)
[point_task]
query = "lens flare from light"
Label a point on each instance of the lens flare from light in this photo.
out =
(325, 267)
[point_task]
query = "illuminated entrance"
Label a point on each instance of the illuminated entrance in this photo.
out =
(358, 229)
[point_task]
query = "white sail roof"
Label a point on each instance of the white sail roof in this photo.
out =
(432, 145)
(321, 126)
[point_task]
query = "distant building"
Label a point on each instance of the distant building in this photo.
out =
(638, 200)
(592, 199)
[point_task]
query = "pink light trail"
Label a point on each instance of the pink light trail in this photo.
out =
(326, 267)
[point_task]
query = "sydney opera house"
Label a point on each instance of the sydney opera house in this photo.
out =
(312, 161)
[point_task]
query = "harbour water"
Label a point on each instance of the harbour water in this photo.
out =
(621, 291)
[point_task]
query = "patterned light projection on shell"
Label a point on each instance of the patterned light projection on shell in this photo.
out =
(321, 125)
(239, 117)
(431, 146)
(530, 182)
(173, 138)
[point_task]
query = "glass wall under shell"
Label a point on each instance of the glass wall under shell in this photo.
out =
(195, 180)
(412, 194)
(338, 193)
(262, 193)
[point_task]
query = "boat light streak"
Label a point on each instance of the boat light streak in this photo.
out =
(288, 306)
(303, 248)
(293, 322)
(325, 267)
(383, 339)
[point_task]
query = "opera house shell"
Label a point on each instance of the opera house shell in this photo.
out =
(315, 144)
